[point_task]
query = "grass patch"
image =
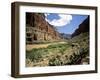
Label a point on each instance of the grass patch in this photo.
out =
(37, 54)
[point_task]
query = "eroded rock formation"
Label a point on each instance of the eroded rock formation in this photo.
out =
(37, 29)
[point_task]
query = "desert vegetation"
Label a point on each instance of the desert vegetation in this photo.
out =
(72, 52)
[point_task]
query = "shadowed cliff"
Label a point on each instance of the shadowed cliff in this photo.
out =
(83, 27)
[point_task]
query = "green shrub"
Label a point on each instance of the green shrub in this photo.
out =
(54, 62)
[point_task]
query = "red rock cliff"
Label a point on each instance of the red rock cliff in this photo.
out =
(38, 29)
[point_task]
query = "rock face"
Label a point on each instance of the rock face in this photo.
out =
(37, 29)
(83, 27)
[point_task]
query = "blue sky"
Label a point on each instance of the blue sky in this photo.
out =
(65, 23)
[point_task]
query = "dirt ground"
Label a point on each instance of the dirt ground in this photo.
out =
(31, 46)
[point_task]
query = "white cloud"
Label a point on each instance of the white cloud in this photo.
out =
(62, 21)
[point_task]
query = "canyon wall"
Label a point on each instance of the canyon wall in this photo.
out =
(83, 27)
(37, 29)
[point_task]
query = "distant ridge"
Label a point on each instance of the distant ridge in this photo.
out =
(65, 36)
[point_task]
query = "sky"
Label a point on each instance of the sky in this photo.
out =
(65, 23)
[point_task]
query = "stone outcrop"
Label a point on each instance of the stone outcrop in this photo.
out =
(83, 27)
(37, 29)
